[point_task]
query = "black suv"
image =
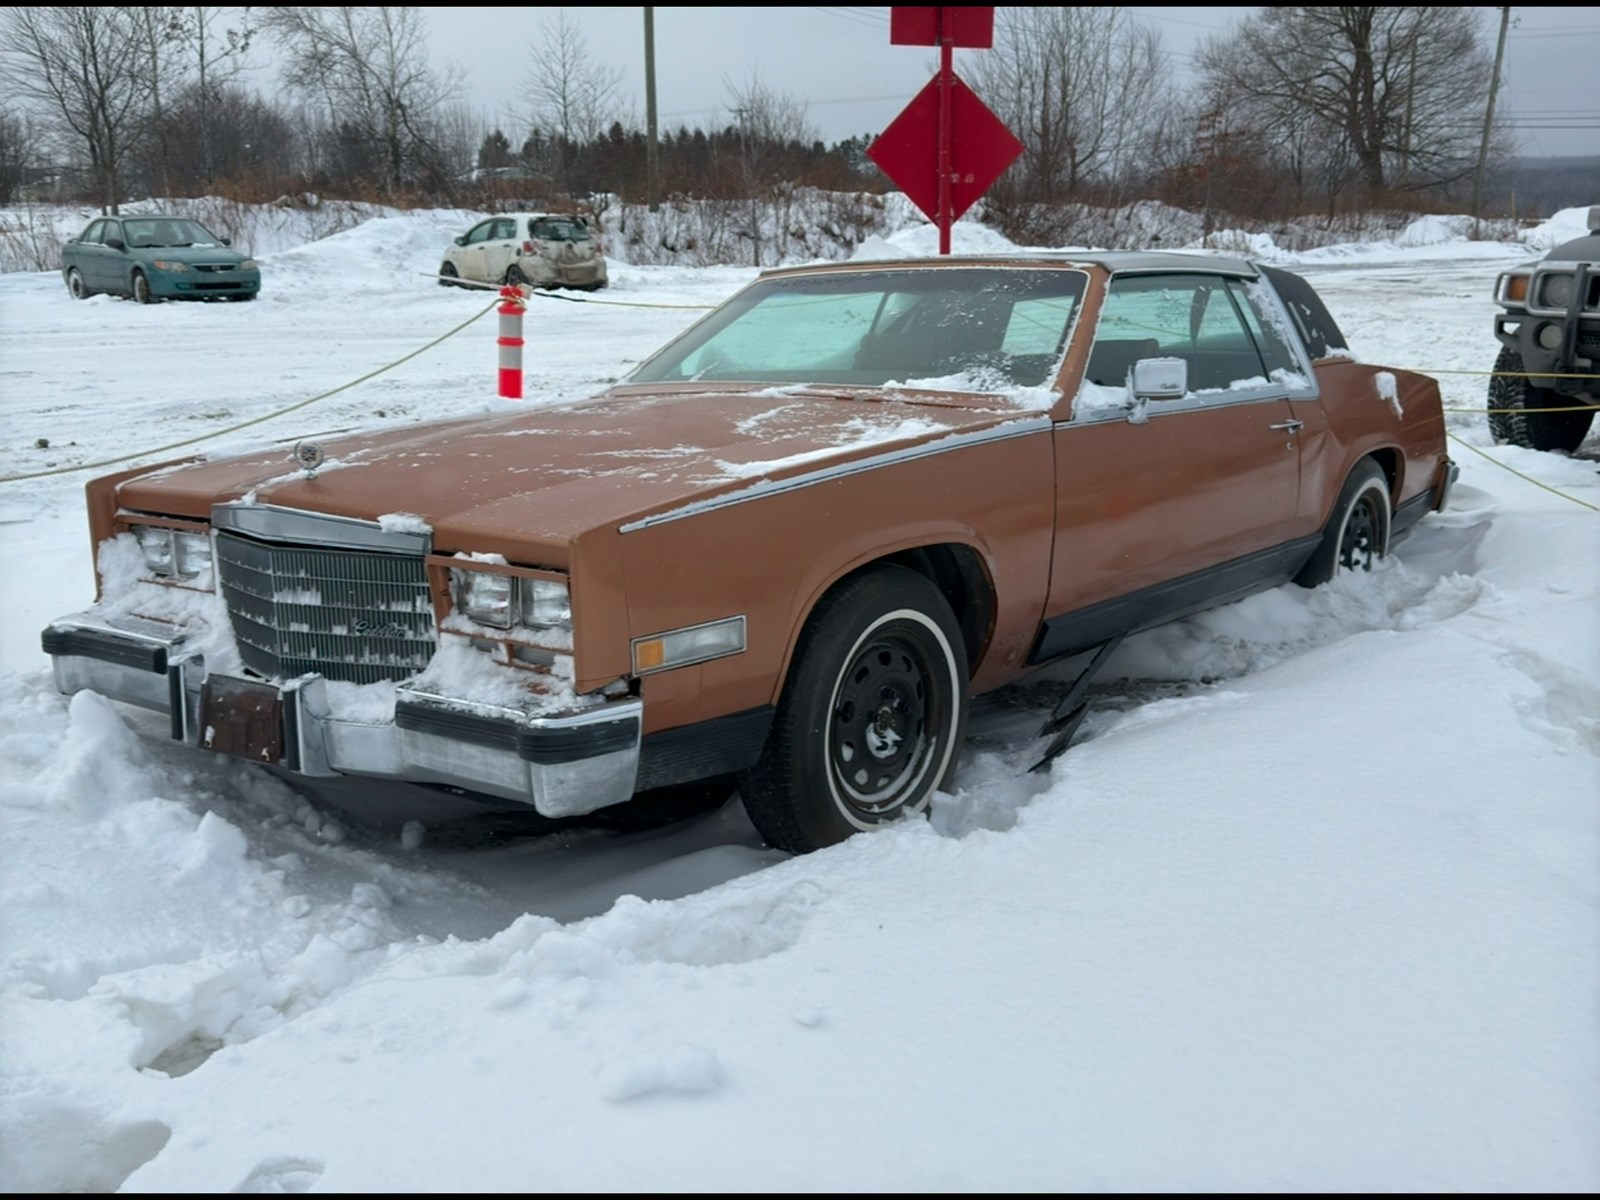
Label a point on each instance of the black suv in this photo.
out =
(1551, 330)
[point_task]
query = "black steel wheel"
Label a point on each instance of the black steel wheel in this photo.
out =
(515, 277)
(78, 289)
(1509, 424)
(1357, 534)
(448, 275)
(872, 714)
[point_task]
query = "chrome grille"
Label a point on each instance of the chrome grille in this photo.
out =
(352, 615)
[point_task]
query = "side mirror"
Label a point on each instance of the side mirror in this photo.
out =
(1155, 379)
(226, 241)
(462, 240)
(115, 243)
(1160, 379)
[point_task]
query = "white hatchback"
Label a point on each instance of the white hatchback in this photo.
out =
(538, 249)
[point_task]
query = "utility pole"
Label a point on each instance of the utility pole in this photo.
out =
(1488, 122)
(652, 164)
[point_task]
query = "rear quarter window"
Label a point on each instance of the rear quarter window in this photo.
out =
(1312, 320)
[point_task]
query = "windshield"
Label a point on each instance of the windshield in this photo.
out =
(975, 329)
(168, 231)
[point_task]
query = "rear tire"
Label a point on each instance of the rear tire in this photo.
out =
(1357, 534)
(1509, 424)
(515, 277)
(872, 715)
(76, 287)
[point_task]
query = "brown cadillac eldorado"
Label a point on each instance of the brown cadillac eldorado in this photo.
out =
(782, 556)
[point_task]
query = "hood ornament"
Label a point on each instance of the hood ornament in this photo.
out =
(308, 456)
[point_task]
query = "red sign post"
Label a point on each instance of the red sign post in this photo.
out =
(946, 147)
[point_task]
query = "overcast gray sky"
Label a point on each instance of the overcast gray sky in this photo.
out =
(839, 61)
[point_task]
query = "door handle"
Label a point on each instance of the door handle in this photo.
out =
(1292, 426)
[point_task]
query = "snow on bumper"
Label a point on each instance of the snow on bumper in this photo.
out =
(563, 763)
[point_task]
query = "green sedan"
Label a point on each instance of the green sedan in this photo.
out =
(156, 258)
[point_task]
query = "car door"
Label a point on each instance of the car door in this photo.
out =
(97, 261)
(471, 257)
(1164, 507)
(77, 253)
(500, 249)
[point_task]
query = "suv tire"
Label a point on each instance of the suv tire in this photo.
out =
(1512, 393)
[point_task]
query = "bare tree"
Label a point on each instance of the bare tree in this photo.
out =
(215, 42)
(571, 95)
(157, 26)
(1079, 86)
(223, 131)
(87, 70)
(16, 153)
(1399, 85)
(774, 131)
(370, 67)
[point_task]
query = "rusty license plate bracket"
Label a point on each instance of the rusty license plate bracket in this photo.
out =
(241, 717)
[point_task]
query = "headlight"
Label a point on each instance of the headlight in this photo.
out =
(488, 598)
(1556, 291)
(545, 603)
(502, 601)
(174, 553)
(248, 264)
(167, 264)
(191, 553)
(157, 547)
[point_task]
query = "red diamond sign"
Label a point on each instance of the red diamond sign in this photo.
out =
(981, 147)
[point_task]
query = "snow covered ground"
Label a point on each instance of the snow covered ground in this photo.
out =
(1313, 905)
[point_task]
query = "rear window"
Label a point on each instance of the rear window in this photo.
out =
(548, 229)
(1311, 317)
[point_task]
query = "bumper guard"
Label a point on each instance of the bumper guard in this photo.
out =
(562, 763)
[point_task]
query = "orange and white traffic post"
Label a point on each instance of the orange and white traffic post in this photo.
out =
(513, 303)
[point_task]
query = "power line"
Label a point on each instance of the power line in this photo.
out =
(849, 15)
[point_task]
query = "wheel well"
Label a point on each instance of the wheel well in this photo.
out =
(1389, 459)
(957, 571)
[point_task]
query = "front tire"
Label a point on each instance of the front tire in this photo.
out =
(141, 289)
(1509, 424)
(872, 715)
(1357, 534)
(448, 275)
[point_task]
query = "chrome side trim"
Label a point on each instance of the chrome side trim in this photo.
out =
(1193, 402)
(774, 487)
(274, 523)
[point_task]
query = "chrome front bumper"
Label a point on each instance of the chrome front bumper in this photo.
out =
(563, 764)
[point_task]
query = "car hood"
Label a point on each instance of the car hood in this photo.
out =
(526, 483)
(224, 255)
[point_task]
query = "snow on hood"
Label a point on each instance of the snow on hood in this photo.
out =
(551, 473)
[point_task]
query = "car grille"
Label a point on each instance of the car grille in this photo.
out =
(353, 615)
